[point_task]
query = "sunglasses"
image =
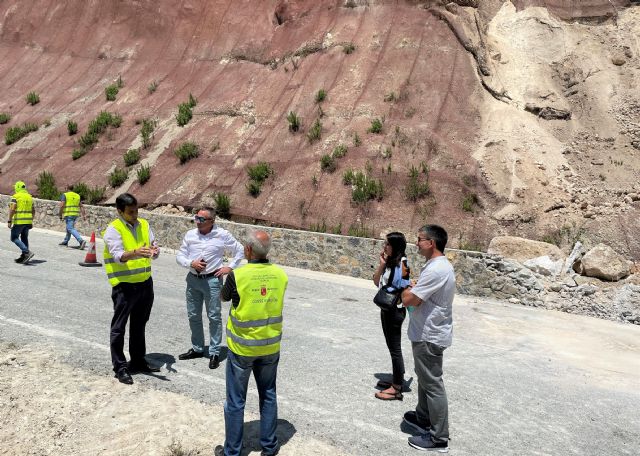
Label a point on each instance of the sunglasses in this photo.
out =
(199, 219)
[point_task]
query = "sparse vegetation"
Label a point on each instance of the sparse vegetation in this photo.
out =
(4, 118)
(416, 189)
(469, 202)
(117, 177)
(87, 194)
(46, 123)
(131, 157)
(327, 163)
(46, 186)
(144, 174)
(95, 195)
(185, 111)
(390, 97)
(348, 48)
(152, 87)
(186, 152)
(33, 98)
(319, 227)
(223, 205)
(176, 449)
(358, 230)
(14, 134)
(314, 181)
(315, 131)
(72, 128)
(356, 140)
(111, 91)
(340, 151)
(145, 132)
(376, 126)
(363, 187)
(120, 82)
(294, 121)
(260, 172)
(321, 95)
(254, 188)
(257, 175)
(78, 153)
(337, 229)
(97, 127)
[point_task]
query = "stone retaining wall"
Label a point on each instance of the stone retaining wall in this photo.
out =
(478, 274)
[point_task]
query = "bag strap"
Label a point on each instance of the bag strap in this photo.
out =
(390, 281)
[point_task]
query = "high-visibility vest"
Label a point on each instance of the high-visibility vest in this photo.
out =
(254, 327)
(71, 204)
(24, 209)
(132, 271)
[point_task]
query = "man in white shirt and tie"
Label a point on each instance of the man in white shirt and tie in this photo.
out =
(202, 252)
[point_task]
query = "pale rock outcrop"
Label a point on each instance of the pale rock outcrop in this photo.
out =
(521, 249)
(604, 263)
(544, 265)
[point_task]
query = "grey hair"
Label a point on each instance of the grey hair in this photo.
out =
(259, 248)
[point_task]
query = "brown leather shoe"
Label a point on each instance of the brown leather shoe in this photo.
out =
(390, 394)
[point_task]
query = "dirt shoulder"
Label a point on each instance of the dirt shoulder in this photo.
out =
(49, 407)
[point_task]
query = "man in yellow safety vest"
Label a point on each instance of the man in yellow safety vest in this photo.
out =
(254, 330)
(21, 213)
(129, 246)
(70, 209)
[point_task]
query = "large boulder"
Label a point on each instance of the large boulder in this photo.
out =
(604, 263)
(521, 249)
(544, 265)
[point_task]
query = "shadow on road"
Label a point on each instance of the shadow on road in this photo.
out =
(251, 441)
(35, 262)
(162, 359)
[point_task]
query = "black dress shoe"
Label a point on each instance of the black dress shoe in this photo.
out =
(137, 368)
(218, 451)
(123, 376)
(191, 354)
(214, 362)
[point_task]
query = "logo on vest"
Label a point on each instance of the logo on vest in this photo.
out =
(263, 290)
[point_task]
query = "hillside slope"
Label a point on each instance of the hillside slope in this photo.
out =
(450, 83)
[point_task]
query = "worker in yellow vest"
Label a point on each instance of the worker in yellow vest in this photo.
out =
(254, 330)
(70, 209)
(21, 213)
(129, 246)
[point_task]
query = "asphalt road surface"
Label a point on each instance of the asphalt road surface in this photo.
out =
(520, 381)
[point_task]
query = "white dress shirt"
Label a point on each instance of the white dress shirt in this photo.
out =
(210, 247)
(114, 241)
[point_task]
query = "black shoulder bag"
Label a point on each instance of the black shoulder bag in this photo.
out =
(385, 299)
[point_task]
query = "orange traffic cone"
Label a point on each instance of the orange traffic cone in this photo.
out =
(90, 259)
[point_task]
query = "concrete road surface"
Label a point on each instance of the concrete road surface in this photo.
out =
(520, 381)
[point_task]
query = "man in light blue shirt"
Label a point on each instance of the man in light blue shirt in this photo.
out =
(202, 252)
(430, 332)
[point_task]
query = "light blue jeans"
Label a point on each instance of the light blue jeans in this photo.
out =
(207, 291)
(71, 230)
(265, 370)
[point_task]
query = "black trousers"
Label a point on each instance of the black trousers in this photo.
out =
(392, 329)
(131, 301)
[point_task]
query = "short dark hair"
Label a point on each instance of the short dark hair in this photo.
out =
(70, 187)
(125, 199)
(437, 234)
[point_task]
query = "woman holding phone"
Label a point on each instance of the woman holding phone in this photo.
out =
(393, 270)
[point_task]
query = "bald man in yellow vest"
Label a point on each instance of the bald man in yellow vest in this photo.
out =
(254, 330)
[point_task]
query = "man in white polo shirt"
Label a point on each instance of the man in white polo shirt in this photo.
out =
(430, 332)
